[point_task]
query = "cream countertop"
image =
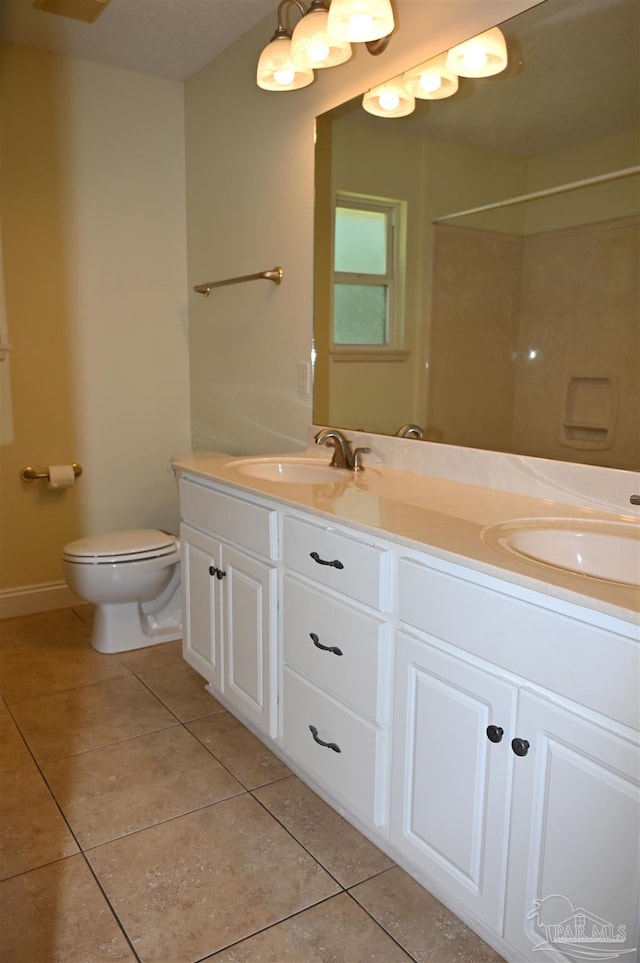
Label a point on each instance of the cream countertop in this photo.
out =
(444, 518)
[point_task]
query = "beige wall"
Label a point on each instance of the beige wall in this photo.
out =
(92, 196)
(250, 190)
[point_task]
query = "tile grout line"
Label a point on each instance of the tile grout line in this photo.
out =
(245, 791)
(372, 917)
(81, 851)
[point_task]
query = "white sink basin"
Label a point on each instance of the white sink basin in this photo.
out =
(296, 471)
(604, 550)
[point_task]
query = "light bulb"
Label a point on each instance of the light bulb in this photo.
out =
(284, 76)
(388, 99)
(430, 83)
(318, 52)
(474, 57)
(431, 80)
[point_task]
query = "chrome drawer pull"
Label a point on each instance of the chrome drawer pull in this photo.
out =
(321, 561)
(327, 745)
(325, 648)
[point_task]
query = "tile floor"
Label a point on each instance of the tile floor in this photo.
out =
(139, 821)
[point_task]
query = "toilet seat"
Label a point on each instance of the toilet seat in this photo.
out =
(130, 545)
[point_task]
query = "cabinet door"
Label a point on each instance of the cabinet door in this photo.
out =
(450, 783)
(201, 617)
(573, 858)
(249, 603)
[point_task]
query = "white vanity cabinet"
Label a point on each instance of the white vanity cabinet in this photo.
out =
(336, 653)
(515, 798)
(483, 733)
(229, 548)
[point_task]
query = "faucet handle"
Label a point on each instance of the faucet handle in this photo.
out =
(357, 458)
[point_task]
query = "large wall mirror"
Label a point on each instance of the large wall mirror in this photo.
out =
(514, 211)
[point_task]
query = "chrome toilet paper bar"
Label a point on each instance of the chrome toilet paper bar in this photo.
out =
(31, 474)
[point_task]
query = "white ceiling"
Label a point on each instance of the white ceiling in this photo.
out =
(170, 38)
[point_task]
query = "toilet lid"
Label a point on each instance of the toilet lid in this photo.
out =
(133, 544)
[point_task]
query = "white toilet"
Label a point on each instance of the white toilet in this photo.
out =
(133, 578)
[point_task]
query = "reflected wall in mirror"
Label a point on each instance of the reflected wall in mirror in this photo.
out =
(518, 324)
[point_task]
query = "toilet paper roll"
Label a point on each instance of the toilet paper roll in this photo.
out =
(61, 476)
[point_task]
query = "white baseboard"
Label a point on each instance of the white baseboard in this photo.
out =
(29, 599)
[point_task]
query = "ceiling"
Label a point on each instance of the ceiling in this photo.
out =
(169, 38)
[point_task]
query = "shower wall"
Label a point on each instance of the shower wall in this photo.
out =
(540, 335)
(579, 310)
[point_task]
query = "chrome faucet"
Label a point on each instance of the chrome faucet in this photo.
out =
(342, 457)
(410, 431)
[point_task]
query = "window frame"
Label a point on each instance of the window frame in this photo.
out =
(395, 217)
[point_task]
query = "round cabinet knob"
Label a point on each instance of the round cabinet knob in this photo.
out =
(494, 733)
(520, 746)
(213, 570)
(220, 574)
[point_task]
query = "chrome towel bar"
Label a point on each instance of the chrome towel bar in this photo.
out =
(275, 274)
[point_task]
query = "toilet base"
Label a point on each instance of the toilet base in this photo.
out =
(120, 628)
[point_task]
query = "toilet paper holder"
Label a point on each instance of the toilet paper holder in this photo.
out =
(31, 474)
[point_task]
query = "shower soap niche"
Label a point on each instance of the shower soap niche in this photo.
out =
(590, 410)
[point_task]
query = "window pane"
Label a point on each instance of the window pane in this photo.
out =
(360, 314)
(361, 241)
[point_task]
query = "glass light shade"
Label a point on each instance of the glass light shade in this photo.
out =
(359, 21)
(431, 80)
(313, 46)
(482, 56)
(276, 69)
(389, 100)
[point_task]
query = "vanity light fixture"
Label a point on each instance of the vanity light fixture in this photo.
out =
(481, 56)
(390, 99)
(322, 38)
(312, 45)
(276, 69)
(431, 80)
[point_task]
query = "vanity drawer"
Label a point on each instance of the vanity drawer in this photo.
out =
(567, 655)
(357, 568)
(357, 673)
(233, 519)
(357, 772)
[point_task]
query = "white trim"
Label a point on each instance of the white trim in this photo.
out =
(29, 599)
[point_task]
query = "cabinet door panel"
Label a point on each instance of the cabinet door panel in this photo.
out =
(449, 795)
(201, 642)
(575, 836)
(249, 589)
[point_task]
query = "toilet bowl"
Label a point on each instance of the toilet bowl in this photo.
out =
(133, 579)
